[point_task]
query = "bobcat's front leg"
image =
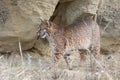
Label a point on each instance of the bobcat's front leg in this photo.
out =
(67, 57)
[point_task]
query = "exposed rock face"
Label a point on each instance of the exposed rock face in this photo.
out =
(109, 20)
(68, 11)
(3, 12)
(19, 20)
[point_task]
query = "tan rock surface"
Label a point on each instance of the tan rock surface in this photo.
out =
(109, 20)
(68, 11)
(19, 19)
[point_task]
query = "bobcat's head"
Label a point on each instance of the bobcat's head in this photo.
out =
(46, 28)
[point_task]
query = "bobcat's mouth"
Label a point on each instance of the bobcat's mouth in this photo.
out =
(42, 33)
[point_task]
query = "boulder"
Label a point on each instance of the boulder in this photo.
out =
(67, 12)
(109, 21)
(19, 21)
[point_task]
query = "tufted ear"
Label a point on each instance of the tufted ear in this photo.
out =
(41, 20)
(47, 22)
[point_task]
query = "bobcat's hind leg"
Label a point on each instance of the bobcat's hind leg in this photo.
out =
(57, 56)
(83, 55)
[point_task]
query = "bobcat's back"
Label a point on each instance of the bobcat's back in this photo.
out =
(82, 34)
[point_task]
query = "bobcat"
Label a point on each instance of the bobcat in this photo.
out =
(80, 35)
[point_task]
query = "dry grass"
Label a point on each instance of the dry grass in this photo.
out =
(37, 68)
(31, 66)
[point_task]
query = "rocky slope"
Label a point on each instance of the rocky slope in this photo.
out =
(19, 20)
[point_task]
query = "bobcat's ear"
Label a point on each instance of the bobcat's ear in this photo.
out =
(48, 23)
(41, 20)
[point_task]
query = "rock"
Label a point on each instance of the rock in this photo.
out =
(19, 20)
(68, 11)
(109, 21)
(62, 1)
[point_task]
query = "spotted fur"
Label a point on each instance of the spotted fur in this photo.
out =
(80, 35)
